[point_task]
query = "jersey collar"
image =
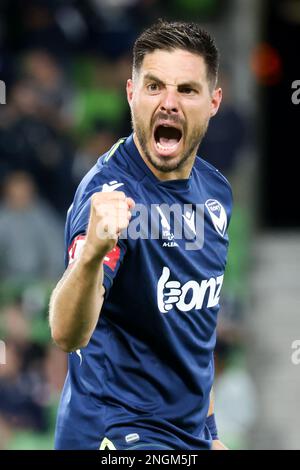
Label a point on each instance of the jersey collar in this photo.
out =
(133, 154)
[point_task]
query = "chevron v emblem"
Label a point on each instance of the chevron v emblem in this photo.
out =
(218, 215)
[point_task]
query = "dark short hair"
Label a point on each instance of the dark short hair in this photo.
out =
(167, 36)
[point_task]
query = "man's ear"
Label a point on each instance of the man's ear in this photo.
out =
(215, 101)
(129, 90)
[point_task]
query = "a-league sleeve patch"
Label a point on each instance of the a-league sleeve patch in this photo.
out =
(112, 258)
(75, 248)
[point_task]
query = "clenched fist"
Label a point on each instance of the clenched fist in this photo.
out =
(110, 214)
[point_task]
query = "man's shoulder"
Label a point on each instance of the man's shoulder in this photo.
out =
(203, 166)
(107, 175)
(213, 174)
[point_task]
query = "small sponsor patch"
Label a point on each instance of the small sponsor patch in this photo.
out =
(130, 438)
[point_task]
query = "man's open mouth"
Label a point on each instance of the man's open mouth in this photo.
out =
(167, 138)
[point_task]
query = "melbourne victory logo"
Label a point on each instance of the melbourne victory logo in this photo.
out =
(218, 215)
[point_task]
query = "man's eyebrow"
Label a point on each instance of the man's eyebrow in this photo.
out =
(191, 84)
(151, 77)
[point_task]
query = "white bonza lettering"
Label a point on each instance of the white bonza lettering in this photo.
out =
(171, 293)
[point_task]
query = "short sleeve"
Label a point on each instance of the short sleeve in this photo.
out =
(75, 233)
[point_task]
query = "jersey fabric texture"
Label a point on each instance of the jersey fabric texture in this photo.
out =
(146, 375)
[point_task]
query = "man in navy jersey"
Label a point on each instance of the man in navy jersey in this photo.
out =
(137, 305)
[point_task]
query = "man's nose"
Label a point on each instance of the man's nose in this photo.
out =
(169, 101)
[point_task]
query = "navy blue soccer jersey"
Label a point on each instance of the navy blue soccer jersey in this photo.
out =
(146, 375)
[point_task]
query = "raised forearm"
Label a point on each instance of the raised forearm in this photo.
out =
(76, 303)
(77, 300)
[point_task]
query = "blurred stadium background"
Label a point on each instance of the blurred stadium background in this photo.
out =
(64, 64)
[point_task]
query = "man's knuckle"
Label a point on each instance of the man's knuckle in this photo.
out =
(120, 194)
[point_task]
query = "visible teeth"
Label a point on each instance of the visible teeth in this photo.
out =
(167, 147)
